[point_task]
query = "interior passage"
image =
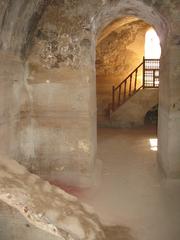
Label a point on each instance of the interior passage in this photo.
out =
(132, 192)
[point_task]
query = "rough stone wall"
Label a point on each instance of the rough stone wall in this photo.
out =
(169, 112)
(10, 218)
(132, 112)
(118, 54)
(120, 51)
(48, 97)
(44, 206)
(20, 21)
(13, 101)
(58, 141)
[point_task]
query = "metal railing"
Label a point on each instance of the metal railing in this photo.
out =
(146, 75)
(151, 73)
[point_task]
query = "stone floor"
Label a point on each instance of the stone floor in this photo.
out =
(133, 193)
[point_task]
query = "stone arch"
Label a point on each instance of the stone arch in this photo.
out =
(17, 34)
(143, 11)
(161, 23)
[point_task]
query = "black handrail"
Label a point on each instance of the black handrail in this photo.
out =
(129, 86)
(129, 75)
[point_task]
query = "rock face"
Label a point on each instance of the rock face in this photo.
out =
(31, 208)
(45, 206)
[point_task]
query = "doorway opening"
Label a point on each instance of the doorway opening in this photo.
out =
(127, 66)
(127, 112)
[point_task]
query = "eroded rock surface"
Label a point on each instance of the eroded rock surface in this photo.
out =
(46, 206)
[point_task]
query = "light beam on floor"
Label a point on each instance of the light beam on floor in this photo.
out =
(153, 144)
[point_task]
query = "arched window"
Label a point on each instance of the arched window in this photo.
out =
(152, 45)
(152, 59)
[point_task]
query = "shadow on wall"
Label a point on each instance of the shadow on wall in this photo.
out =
(118, 233)
(151, 116)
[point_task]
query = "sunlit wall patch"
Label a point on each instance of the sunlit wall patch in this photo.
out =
(152, 45)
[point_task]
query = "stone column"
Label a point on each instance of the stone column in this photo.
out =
(59, 142)
(169, 111)
(11, 99)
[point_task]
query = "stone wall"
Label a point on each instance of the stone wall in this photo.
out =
(59, 142)
(13, 100)
(48, 83)
(132, 113)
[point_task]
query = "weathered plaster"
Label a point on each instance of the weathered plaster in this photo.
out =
(55, 112)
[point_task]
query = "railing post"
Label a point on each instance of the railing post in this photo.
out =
(135, 83)
(128, 87)
(119, 100)
(125, 90)
(113, 98)
(154, 78)
(143, 72)
(130, 84)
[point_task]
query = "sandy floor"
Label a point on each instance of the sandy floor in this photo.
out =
(132, 192)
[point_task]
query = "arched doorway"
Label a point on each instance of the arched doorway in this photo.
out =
(155, 19)
(129, 151)
(127, 73)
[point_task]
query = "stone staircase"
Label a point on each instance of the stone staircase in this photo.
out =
(134, 96)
